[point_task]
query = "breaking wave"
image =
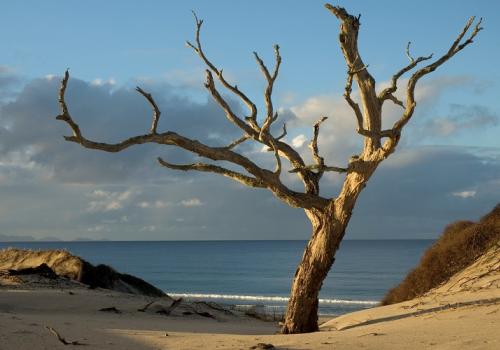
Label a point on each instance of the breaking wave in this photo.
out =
(266, 298)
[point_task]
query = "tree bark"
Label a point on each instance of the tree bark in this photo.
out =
(328, 230)
(302, 312)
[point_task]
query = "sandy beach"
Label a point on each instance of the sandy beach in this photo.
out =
(464, 313)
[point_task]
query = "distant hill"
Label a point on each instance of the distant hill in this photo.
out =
(7, 238)
(460, 245)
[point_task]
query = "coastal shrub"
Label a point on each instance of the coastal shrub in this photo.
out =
(461, 243)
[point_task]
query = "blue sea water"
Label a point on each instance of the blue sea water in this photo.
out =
(253, 272)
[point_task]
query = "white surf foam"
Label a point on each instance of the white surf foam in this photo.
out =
(265, 298)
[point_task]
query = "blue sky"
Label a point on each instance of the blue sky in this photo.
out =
(112, 46)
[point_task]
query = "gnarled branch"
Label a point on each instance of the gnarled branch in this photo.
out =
(285, 150)
(246, 180)
(369, 115)
(269, 178)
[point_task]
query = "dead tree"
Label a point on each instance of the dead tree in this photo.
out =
(329, 216)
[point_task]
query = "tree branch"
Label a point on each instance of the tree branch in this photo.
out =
(237, 142)
(272, 182)
(65, 116)
(387, 93)
(270, 117)
(456, 47)
(156, 110)
(246, 180)
(370, 118)
(231, 116)
(320, 161)
(218, 72)
(284, 149)
(355, 107)
(320, 168)
(283, 134)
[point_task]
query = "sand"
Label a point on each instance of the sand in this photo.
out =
(464, 313)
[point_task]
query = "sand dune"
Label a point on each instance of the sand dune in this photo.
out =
(463, 313)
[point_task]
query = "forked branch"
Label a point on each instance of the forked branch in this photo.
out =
(320, 166)
(282, 148)
(456, 47)
(259, 177)
(270, 78)
(218, 72)
(388, 93)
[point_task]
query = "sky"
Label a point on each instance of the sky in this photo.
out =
(446, 168)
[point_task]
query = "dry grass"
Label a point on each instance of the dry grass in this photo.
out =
(461, 243)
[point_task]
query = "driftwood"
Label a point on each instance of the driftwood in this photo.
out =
(145, 307)
(171, 308)
(263, 346)
(62, 339)
(111, 309)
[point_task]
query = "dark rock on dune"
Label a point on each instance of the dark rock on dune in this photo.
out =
(60, 263)
(104, 276)
(41, 270)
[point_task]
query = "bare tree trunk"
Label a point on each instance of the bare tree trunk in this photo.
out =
(329, 216)
(328, 229)
(302, 312)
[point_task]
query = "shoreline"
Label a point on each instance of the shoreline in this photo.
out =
(462, 313)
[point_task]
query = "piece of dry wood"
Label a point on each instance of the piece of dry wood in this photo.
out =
(145, 307)
(110, 309)
(62, 339)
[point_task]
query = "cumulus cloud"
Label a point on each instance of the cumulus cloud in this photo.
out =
(461, 118)
(298, 141)
(117, 196)
(103, 201)
(9, 79)
(105, 113)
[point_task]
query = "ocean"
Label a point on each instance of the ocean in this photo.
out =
(249, 273)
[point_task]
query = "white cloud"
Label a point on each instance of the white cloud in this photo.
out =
(156, 204)
(101, 82)
(107, 201)
(464, 194)
(299, 141)
(192, 202)
(149, 228)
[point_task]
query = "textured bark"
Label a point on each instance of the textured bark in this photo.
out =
(329, 216)
(328, 230)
